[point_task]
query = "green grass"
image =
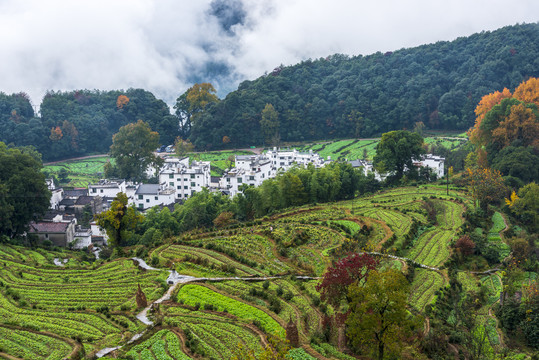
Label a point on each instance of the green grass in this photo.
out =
(344, 149)
(80, 172)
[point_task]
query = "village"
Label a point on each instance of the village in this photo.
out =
(179, 179)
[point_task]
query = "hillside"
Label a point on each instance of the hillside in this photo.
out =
(363, 96)
(49, 312)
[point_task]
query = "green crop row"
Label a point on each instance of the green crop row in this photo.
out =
(299, 354)
(498, 224)
(191, 294)
(432, 248)
(163, 345)
(425, 284)
(214, 336)
(28, 345)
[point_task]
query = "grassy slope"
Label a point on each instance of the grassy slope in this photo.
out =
(243, 251)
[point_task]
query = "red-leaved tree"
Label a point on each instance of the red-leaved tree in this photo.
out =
(465, 246)
(349, 270)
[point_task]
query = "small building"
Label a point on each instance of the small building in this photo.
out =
(95, 204)
(98, 232)
(82, 237)
(286, 159)
(367, 168)
(150, 195)
(59, 233)
(107, 188)
(434, 162)
(249, 170)
(67, 205)
(75, 193)
(185, 179)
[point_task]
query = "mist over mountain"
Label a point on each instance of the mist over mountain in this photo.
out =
(363, 96)
(166, 46)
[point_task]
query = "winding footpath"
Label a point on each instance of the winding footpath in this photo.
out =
(176, 279)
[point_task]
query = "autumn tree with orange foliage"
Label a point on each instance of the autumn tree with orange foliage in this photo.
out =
(56, 134)
(519, 121)
(506, 133)
(69, 130)
(528, 91)
(121, 101)
(521, 124)
(484, 106)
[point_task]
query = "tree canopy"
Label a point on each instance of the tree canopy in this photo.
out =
(191, 103)
(378, 319)
(119, 221)
(133, 149)
(506, 131)
(397, 151)
(81, 122)
(23, 193)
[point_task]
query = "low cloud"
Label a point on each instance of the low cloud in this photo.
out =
(165, 46)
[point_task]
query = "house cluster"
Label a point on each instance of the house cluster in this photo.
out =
(60, 225)
(179, 179)
(434, 162)
(254, 169)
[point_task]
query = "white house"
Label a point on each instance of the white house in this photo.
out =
(250, 169)
(286, 159)
(436, 163)
(82, 237)
(107, 188)
(184, 179)
(150, 195)
(57, 195)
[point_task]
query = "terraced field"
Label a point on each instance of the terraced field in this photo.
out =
(92, 306)
(45, 304)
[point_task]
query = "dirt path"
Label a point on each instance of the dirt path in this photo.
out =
(183, 279)
(6, 356)
(427, 326)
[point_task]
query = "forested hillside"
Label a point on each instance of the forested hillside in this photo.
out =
(340, 96)
(82, 122)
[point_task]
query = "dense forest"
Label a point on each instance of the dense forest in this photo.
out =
(339, 96)
(82, 122)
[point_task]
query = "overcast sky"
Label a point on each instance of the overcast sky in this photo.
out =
(165, 46)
